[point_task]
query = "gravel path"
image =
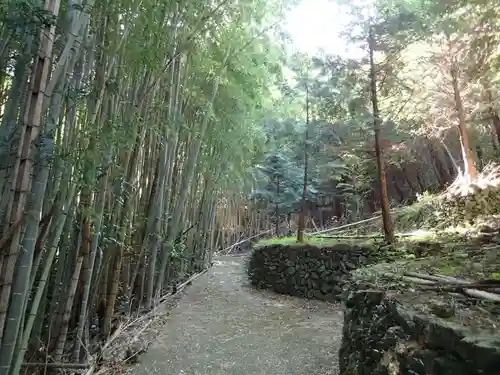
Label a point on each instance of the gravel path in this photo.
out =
(221, 326)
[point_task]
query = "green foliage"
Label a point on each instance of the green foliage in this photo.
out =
(156, 113)
(283, 187)
(309, 240)
(417, 43)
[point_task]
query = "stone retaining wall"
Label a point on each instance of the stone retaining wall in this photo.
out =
(382, 336)
(306, 270)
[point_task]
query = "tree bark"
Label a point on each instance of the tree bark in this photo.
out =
(303, 203)
(441, 172)
(470, 170)
(386, 215)
(277, 209)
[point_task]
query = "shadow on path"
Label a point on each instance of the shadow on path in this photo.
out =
(221, 326)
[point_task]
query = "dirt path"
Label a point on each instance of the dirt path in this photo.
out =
(223, 327)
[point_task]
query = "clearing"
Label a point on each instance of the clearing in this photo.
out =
(222, 326)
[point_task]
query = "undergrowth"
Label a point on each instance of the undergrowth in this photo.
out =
(292, 240)
(436, 226)
(462, 207)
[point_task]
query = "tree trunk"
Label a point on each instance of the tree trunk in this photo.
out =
(397, 188)
(441, 172)
(303, 203)
(496, 123)
(409, 176)
(480, 157)
(386, 215)
(371, 201)
(454, 166)
(495, 119)
(277, 210)
(470, 170)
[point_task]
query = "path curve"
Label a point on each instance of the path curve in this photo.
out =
(221, 326)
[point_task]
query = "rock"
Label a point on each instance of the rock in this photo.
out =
(317, 294)
(442, 309)
(486, 229)
(384, 336)
(325, 288)
(325, 275)
(350, 266)
(307, 271)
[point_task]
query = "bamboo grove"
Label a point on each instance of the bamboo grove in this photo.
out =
(125, 126)
(137, 136)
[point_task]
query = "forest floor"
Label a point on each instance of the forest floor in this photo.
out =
(222, 326)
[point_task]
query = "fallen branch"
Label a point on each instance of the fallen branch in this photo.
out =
(363, 236)
(440, 278)
(58, 365)
(415, 280)
(352, 237)
(136, 337)
(234, 245)
(453, 282)
(314, 225)
(180, 287)
(452, 285)
(490, 287)
(245, 240)
(344, 226)
(121, 328)
(493, 297)
(91, 370)
(167, 297)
